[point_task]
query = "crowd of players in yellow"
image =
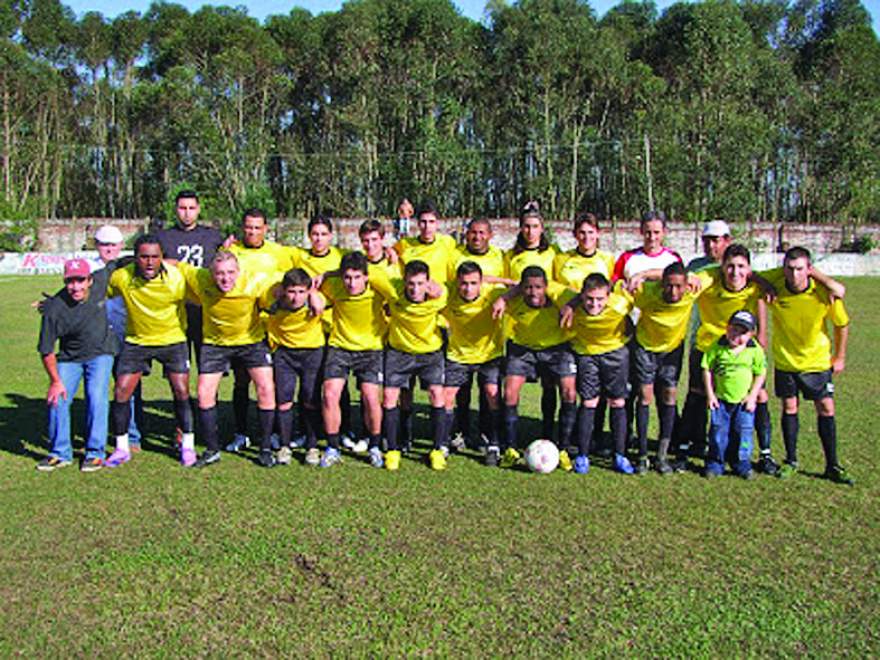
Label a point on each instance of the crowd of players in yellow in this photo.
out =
(607, 334)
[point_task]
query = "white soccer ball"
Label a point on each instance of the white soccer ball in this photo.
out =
(542, 456)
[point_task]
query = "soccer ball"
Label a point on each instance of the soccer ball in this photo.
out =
(542, 456)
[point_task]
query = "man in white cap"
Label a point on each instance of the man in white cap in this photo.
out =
(75, 318)
(109, 243)
(716, 238)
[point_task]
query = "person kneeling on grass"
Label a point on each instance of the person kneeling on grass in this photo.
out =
(734, 370)
(599, 317)
(415, 348)
(77, 319)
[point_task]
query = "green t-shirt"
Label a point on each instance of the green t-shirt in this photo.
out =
(733, 373)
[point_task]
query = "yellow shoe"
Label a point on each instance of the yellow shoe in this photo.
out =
(392, 460)
(437, 459)
(565, 460)
(510, 458)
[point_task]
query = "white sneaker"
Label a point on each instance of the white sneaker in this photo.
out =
(313, 456)
(283, 456)
(360, 447)
(458, 442)
(376, 459)
(348, 442)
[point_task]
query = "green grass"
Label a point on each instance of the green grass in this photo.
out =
(155, 560)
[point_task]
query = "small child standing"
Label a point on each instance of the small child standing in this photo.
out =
(734, 370)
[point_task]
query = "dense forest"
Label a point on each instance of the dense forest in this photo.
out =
(758, 109)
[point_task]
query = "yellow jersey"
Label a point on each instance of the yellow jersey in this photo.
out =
(413, 327)
(316, 265)
(270, 257)
(358, 321)
(437, 254)
(384, 268)
(801, 341)
(570, 268)
(155, 308)
(538, 327)
(662, 326)
(474, 336)
(515, 264)
(607, 331)
(231, 318)
(717, 304)
(291, 328)
(491, 263)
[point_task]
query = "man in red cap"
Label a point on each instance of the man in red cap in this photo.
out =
(76, 318)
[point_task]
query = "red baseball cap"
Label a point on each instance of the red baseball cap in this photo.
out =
(76, 268)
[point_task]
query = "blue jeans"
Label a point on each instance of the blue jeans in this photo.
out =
(730, 422)
(96, 373)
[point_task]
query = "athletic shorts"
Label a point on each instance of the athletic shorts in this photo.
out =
(401, 368)
(219, 359)
(136, 359)
(695, 370)
(606, 374)
(813, 385)
(292, 364)
(661, 369)
(365, 365)
(554, 362)
(458, 374)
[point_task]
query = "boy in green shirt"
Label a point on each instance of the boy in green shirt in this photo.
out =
(734, 370)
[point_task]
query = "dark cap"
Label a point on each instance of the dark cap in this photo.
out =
(745, 319)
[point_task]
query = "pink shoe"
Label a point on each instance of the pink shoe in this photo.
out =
(187, 457)
(117, 458)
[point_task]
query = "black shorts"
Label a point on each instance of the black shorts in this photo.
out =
(606, 373)
(813, 385)
(401, 367)
(661, 369)
(695, 370)
(458, 374)
(218, 359)
(365, 365)
(136, 359)
(297, 363)
(554, 362)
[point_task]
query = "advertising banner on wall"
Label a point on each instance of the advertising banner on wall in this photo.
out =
(39, 263)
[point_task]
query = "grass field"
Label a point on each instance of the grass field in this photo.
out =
(152, 559)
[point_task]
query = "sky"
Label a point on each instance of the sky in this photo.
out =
(262, 8)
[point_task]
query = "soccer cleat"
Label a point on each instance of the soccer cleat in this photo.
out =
(275, 441)
(510, 458)
(710, 474)
(91, 465)
(581, 465)
(298, 441)
(565, 460)
(330, 458)
(360, 447)
(787, 470)
(437, 459)
(348, 441)
(283, 456)
(265, 459)
(52, 463)
(313, 457)
(207, 458)
(458, 442)
(663, 466)
(643, 465)
(117, 458)
(239, 442)
(622, 464)
(767, 465)
(188, 456)
(376, 459)
(392, 460)
(838, 475)
(679, 464)
(748, 475)
(134, 447)
(493, 455)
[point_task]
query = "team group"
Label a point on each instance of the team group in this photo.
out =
(609, 335)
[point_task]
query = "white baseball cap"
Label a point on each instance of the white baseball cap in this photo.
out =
(716, 228)
(108, 234)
